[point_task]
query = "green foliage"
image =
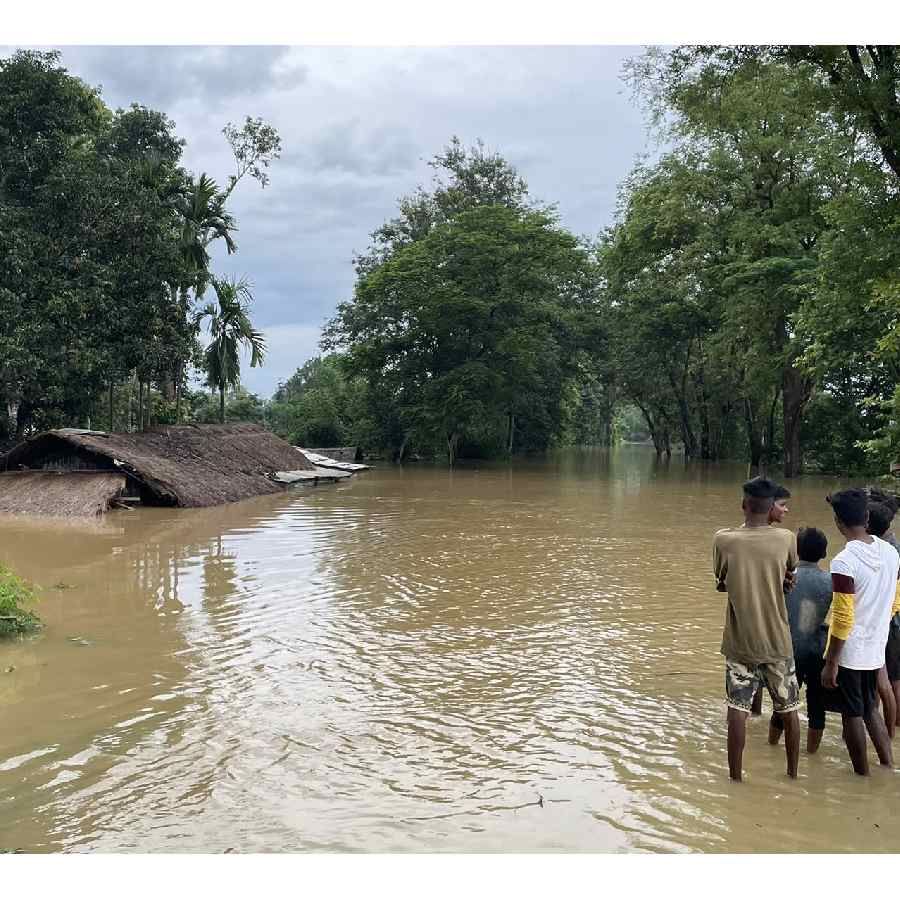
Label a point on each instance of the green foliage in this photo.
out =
(472, 328)
(106, 247)
(230, 331)
(240, 406)
(14, 594)
(754, 267)
(310, 409)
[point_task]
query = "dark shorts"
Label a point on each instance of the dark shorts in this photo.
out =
(892, 652)
(809, 672)
(856, 693)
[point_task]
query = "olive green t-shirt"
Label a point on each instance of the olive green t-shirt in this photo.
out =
(752, 563)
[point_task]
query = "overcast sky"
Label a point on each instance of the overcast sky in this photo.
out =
(357, 127)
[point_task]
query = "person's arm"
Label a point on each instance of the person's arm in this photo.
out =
(793, 560)
(896, 607)
(720, 566)
(843, 601)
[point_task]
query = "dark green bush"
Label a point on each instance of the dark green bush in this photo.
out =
(13, 594)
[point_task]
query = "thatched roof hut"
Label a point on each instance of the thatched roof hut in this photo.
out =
(59, 494)
(184, 465)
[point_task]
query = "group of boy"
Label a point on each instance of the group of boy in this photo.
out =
(789, 624)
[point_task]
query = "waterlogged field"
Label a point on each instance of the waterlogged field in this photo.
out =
(498, 658)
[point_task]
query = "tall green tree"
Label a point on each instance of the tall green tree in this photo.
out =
(231, 331)
(471, 328)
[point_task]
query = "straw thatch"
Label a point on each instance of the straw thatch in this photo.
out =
(63, 494)
(184, 465)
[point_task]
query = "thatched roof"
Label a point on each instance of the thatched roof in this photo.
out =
(183, 465)
(59, 494)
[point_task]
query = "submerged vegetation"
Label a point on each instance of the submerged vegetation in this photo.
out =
(14, 595)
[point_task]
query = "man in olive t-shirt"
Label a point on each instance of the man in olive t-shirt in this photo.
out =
(751, 563)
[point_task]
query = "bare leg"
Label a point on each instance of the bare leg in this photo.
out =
(888, 703)
(813, 739)
(879, 734)
(791, 741)
(737, 736)
(855, 739)
(895, 685)
(756, 706)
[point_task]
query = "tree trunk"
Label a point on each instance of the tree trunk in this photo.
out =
(452, 442)
(796, 391)
(140, 409)
(655, 433)
(111, 423)
(222, 404)
(770, 428)
(687, 432)
(24, 412)
(753, 437)
(706, 451)
(401, 453)
(178, 392)
(511, 433)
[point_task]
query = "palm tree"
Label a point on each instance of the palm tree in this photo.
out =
(204, 219)
(230, 329)
(201, 210)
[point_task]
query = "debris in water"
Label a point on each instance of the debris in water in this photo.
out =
(62, 586)
(82, 642)
(9, 669)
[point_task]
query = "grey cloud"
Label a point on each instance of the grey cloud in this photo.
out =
(354, 146)
(163, 76)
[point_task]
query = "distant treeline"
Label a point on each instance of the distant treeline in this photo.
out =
(745, 301)
(745, 304)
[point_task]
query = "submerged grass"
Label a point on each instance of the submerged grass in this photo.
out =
(14, 619)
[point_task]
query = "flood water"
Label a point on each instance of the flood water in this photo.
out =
(516, 658)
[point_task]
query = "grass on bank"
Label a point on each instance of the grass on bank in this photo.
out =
(14, 593)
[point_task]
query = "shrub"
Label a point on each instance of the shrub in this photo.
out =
(13, 593)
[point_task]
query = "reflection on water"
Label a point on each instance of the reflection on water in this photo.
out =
(497, 658)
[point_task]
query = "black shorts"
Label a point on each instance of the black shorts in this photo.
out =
(892, 652)
(856, 693)
(809, 672)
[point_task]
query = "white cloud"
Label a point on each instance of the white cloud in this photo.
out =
(289, 346)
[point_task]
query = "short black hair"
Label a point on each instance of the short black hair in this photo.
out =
(880, 517)
(760, 494)
(781, 492)
(812, 545)
(877, 495)
(850, 506)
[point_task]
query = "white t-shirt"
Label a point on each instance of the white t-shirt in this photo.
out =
(873, 568)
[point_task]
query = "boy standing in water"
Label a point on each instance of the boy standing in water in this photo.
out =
(881, 515)
(808, 602)
(750, 563)
(864, 586)
(776, 517)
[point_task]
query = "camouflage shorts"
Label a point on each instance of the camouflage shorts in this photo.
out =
(743, 681)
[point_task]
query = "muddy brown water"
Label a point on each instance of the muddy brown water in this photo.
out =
(498, 658)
